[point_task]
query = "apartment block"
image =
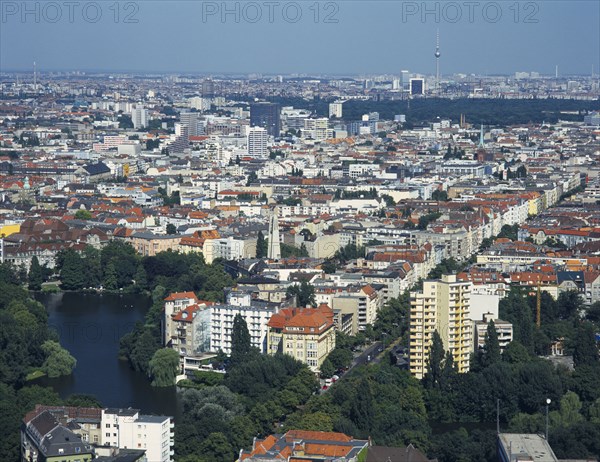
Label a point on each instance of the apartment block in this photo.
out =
(443, 306)
(503, 328)
(128, 429)
(306, 334)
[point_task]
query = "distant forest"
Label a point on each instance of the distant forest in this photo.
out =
(477, 111)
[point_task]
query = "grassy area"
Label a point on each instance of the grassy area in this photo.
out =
(51, 287)
(34, 375)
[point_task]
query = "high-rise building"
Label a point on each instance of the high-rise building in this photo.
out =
(417, 86)
(335, 110)
(443, 306)
(190, 120)
(274, 249)
(266, 115)
(139, 116)
(405, 80)
(257, 142)
(208, 89)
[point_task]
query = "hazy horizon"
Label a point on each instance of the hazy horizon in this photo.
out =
(286, 38)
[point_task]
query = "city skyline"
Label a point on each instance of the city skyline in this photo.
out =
(499, 38)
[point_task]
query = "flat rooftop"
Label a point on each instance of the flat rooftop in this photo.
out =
(526, 446)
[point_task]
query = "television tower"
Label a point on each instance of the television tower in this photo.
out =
(437, 55)
(34, 77)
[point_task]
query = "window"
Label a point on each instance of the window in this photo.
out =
(107, 425)
(95, 438)
(108, 435)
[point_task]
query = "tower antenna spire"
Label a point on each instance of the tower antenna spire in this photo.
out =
(437, 55)
(34, 77)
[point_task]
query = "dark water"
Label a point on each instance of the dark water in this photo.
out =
(90, 326)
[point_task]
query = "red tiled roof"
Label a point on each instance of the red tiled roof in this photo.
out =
(181, 296)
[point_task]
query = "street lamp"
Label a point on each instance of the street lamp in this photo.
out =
(548, 401)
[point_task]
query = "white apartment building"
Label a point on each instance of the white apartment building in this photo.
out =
(442, 306)
(503, 328)
(317, 129)
(127, 429)
(335, 110)
(257, 142)
(228, 248)
(139, 116)
(221, 324)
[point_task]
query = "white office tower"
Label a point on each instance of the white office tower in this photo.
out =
(274, 250)
(139, 116)
(190, 120)
(257, 142)
(335, 110)
(405, 80)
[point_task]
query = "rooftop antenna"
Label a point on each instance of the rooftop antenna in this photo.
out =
(34, 77)
(556, 72)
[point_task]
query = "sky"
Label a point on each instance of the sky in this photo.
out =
(344, 37)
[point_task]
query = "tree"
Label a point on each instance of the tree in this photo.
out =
(435, 362)
(492, 346)
(163, 367)
(586, 349)
(340, 358)
(438, 195)
(261, 246)
(72, 273)
(593, 313)
(58, 360)
(304, 293)
(362, 411)
(241, 344)
(83, 215)
(35, 276)
(327, 369)
(141, 279)
(171, 229)
(91, 260)
(82, 400)
(515, 353)
(110, 277)
(216, 448)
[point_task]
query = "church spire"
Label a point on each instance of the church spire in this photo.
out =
(274, 248)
